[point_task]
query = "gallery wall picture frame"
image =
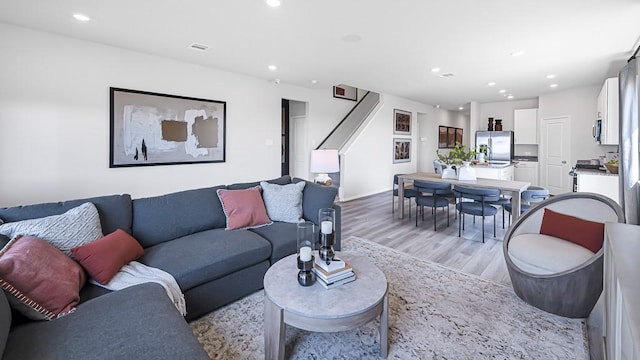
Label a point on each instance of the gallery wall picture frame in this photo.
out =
(442, 137)
(401, 122)
(401, 150)
(345, 92)
(459, 135)
(451, 137)
(150, 128)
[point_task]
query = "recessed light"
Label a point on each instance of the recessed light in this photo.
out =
(351, 38)
(510, 96)
(491, 84)
(274, 3)
(314, 81)
(437, 106)
(550, 76)
(461, 108)
(502, 91)
(273, 67)
(517, 53)
(81, 17)
(435, 70)
(553, 85)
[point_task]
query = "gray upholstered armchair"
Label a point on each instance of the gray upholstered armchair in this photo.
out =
(553, 274)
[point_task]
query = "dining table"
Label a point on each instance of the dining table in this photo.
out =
(507, 187)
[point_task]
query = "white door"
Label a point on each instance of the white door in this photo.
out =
(555, 142)
(298, 154)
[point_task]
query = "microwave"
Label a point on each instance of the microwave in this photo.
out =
(597, 131)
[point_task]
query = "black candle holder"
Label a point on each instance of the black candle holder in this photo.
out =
(326, 247)
(306, 277)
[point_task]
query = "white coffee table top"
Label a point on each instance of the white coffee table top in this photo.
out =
(281, 286)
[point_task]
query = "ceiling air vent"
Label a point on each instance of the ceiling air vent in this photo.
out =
(445, 75)
(199, 47)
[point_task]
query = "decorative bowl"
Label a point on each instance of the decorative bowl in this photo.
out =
(613, 168)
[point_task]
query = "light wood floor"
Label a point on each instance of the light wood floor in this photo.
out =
(371, 218)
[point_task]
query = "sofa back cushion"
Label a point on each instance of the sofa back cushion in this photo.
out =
(163, 218)
(315, 197)
(114, 210)
(283, 180)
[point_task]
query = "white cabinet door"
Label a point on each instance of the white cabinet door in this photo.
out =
(505, 173)
(606, 185)
(525, 126)
(610, 120)
(526, 171)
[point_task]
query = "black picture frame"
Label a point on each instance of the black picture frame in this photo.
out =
(451, 137)
(442, 137)
(149, 129)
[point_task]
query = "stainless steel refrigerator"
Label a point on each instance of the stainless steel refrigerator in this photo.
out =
(500, 144)
(629, 168)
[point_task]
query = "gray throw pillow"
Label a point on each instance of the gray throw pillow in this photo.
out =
(78, 226)
(283, 202)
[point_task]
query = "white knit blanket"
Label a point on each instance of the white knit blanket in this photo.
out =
(135, 273)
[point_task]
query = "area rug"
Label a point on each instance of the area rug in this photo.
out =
(434, 313)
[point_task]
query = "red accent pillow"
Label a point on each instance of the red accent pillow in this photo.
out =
(43, 282)
(244, 208)
(104, 257)
(588, 234)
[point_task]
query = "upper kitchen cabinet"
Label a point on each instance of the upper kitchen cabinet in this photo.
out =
(607, 120)
(525, 126)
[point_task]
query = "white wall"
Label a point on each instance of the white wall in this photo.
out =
(368, 161)
(502, 110)
(432, 120)
(580, 105)
(54, 113)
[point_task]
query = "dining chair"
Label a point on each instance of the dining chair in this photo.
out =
(501, 203)
(533, 194)
(478, 206)
(433, 195)
(409, 193)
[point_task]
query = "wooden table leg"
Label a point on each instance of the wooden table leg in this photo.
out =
(384, 327)
(274, 331)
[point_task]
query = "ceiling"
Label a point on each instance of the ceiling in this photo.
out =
(580, 41)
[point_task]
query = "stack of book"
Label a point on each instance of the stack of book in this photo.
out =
(334, 273)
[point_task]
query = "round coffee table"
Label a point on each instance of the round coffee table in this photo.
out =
(315, 308)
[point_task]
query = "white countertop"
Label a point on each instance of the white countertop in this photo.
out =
(594, 172)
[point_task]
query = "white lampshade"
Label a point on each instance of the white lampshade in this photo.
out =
(324, 161)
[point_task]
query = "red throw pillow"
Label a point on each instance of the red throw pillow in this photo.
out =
(589, 234)
(244, 209)
(104, 257)
(43, 282)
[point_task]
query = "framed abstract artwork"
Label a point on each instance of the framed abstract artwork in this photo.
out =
(458, 135)
(159, 129)
(451, 137)
(401, 122)
(345, 92)
(401, 150)
(442, 136)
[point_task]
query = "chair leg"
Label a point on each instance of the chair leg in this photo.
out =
(459, 223)
(416, 216)
(502, 218)
(448, 215)
(393, 202)
(435, 214)
(482, 226)
(494, 225)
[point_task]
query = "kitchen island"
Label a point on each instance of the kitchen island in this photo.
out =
(499, 171)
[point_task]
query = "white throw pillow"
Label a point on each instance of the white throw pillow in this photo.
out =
(283, 202)
(78, 226)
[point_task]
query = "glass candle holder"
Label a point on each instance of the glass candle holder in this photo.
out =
(305, 231)
(327, 221)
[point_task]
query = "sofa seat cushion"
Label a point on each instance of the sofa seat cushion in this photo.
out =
(208, 255)
(283, 239)
(544, 255)
(139, 322)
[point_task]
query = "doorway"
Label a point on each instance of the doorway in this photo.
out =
(294, 142)
(555, 154)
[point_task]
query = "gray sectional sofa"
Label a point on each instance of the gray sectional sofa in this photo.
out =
(182, 233)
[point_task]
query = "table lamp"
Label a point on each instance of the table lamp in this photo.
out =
(323, 162)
